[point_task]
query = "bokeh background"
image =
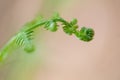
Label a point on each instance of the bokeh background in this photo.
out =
(59, 56)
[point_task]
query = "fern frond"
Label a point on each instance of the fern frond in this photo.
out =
(24, 38)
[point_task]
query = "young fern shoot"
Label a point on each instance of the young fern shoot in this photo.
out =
(24, 37)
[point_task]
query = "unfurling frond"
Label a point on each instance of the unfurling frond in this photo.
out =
(24, 38)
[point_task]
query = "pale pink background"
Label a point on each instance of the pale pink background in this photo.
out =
(65, 57)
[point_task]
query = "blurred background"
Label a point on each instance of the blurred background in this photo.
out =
(59, 56)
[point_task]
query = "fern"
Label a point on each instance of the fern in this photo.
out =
(23, 39)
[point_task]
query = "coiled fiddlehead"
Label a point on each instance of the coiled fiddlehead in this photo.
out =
(24, 37)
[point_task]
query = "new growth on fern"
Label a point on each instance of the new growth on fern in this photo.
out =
(23, 39)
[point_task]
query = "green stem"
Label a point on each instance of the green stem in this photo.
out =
(63, 21)
(43, 22)
(6, 49)
(35, 26)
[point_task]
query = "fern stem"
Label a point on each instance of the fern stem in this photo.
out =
(36, 25)
(7, 48)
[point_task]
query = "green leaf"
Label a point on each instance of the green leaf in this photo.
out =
(68, 30)
(86, 34)
(29, 48)
(52, 26)
(73, 22)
